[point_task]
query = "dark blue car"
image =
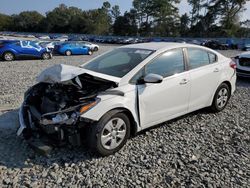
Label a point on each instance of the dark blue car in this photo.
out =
(73, 48)
(15, 49)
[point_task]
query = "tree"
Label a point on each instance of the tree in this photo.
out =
(184, 25)
(144, 15)
(27, 21)
(115, 12)
(126, 25)
(166, 17)
(5, 22)
(196, 7)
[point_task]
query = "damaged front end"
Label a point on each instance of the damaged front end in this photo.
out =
(54, 106)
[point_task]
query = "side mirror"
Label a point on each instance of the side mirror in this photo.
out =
(153, 78)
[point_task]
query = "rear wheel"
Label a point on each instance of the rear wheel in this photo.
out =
(68, 53)
(46, 56)
(110, 134)
(95, 49)
(8, 56)
(221, 98)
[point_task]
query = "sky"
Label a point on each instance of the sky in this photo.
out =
(42, 6)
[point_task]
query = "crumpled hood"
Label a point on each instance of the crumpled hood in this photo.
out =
(62, 73)
(59, 73)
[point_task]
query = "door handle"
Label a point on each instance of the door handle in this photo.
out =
(183, 82)
(216, 70)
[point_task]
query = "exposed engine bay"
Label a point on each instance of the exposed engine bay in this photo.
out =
(55, 108)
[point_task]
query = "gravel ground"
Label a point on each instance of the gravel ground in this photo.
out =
(201, 149)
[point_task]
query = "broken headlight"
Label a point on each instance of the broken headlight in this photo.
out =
(88, 106)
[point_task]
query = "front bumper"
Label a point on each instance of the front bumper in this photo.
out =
(58, 133)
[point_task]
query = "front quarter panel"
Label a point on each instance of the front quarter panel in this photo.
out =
(111, 102)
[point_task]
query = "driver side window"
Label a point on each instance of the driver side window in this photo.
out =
(167, 64)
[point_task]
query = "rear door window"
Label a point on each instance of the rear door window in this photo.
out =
(212, 57)
(197, 58)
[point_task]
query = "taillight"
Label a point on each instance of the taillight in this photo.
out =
(232, 64)
(1, 46)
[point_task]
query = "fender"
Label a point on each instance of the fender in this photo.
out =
(114, 103)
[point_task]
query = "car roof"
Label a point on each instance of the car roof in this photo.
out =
(9, 41)
(159, 45)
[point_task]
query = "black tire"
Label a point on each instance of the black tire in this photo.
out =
(217, 106)
(90, 52)
(8, 56)
(68, 53)
(95, 49)
(97, 130)
(46, 56)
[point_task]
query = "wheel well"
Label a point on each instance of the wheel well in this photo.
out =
(8, 52)
(229, 85)
(133, 123)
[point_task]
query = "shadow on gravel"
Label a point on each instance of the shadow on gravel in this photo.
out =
(243, 82)
(16, 153)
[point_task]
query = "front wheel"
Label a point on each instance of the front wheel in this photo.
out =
(46, 56)
(110, 134)
(8, 56)
(221, 98)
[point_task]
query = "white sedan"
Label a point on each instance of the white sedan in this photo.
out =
(91, 46)
(125, 91)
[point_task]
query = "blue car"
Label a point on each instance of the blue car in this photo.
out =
(15, 49)
(73, 49)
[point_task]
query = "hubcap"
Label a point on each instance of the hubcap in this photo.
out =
(8, 56)
(46, 56)
(113, 133)
(68, 53)
(222, 98)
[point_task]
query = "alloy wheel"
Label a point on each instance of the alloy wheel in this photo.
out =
(113, 133)
(46, 56)
(8, 56)
(222, 97)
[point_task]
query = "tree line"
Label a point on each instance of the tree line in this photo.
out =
(207, 18)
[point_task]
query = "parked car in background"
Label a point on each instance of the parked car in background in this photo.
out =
(14, 49)
(43, 37)
(216, 45)
(125, 91)
(246, 45)
(72, 48)
(48, 44)
(91, 46)
(243, 64)
(231, 44)
(62, 38)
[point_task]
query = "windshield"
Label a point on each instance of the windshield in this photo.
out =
(118, 62)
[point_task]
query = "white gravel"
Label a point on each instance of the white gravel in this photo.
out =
(201, 149)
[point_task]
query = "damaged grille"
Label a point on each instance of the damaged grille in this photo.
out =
(60, 103)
